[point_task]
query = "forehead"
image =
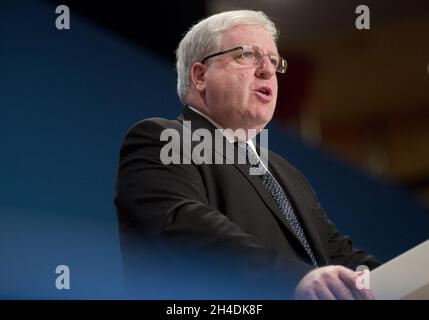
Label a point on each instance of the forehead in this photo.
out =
(248, 34)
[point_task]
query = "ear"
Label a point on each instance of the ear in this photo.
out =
(198, 76)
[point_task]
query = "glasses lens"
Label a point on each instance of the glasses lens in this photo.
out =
(249, 54)
(275, 60)
(253, 55)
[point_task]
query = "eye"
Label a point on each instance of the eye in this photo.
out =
(248, 55)
(274, 60)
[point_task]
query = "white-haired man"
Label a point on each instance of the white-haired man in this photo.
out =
(227, 79)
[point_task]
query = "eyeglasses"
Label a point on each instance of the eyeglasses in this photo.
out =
(252, 55)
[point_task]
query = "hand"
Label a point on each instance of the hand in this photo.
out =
(331, 283)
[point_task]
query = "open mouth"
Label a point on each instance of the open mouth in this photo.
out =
(264, 90)
(264, 93)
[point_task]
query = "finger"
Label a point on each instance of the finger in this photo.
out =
(349, 278)
(368, 294)
(311, 296)
(340, 290)
(324, 293)
(365, 293)
(305, 295)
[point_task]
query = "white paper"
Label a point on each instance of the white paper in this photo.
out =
(404, 277)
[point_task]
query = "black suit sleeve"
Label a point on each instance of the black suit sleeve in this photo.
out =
(169, 202)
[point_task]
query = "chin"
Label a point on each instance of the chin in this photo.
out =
(264, 114)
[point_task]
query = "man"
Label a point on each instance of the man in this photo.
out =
(227, 68)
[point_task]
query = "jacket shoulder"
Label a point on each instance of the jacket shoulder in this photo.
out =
(147, 132)
(152, 125)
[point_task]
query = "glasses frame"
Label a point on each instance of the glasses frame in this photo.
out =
(281, 68)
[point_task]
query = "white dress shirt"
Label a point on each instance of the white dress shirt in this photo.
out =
(227, 134)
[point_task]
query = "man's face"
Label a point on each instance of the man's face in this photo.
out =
(238, 95)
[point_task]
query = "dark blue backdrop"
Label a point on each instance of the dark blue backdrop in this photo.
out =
(66, 100)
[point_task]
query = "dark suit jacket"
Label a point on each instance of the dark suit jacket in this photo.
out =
(220, 207)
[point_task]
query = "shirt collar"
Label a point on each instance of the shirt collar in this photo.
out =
(225, 133)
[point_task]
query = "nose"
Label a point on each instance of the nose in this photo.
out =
(265, 68)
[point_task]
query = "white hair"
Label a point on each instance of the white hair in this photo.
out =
(203, 39)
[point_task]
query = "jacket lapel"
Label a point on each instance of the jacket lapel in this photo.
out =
(198, 122)
(303, 208)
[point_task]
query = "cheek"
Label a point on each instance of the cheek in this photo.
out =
(275, 88)
(243, 91)
(217, 88)
(275, 93)
(242, 84)
(236, 87)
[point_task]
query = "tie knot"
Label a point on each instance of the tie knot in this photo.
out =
(252, 158)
